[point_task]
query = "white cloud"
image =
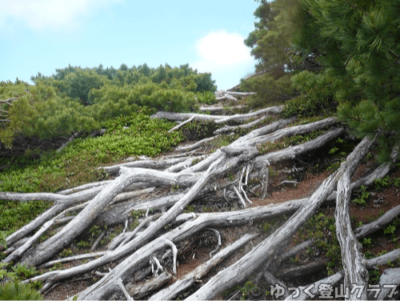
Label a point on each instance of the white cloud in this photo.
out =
(224, 55)
(221, 50)
(53, 15)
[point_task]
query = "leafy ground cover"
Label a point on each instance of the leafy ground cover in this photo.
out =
(78, 163)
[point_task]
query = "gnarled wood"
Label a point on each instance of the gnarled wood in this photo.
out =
(267, 249)
(189, 279)
(355, 272)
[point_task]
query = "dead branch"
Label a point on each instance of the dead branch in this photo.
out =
(269, 247)
(355, 272)
(182, 124)
(189, 279)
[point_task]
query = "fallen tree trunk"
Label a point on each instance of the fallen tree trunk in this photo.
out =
(219, 108)
(189, 279)
(143, 289)
(216, 118)
(243, 117)
(267, 249)
(302, 270)
(195, 145)
(249, 125)
(294, 151)
(355, 272)
(57, 242)
(312, 290)
(388, 283)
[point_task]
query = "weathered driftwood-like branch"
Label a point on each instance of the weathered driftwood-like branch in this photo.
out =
(378, 224)
(243, 117)
(72, 138)
(9, 101)
(189, 279)
(22, 249)
(151, 164)
(52, 212)
(193, 146)
(303, 292)
(355, 272)
(142, 289)
(57, 242)
(272, 280)
(302, 270)
(294, 130)
(182, 124)
(294, 151)
(388, 283)
(84, 187)
(216, 118)
(219, 108)
(249, 125)
(270, 246)
(73, 258)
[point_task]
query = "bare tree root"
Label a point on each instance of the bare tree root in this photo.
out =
(355, 272)
(312, 290)
(270, 246)
(189, 279)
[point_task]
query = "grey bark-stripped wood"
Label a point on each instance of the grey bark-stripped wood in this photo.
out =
(388, 283)
(353, 261)
(198, 144)
(302, 270)
(140, 290)
(57, 242)
(219, 108)
(216, 118)
(52, 212)
(181, 124)
(151, 164)
(243, 117)
(227, 129)
(335, 278)
(189, 279)
(294, 151)
(267, 249)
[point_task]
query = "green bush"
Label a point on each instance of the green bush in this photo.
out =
(18, 291)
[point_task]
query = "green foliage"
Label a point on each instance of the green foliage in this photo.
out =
(23, 271)
(18, 291)
(317, 95)
(79, 100)
(271, 87)
(359, 46)
(246, 290)
(189, 208)
(287, 141)
(66, 253)
(266, 226)
(41, 112)
(322, 229)
(197, 130)
(363, 196)
(206, 97)
(137, 213)
(367, 242)
(390, 229)
(374, 276)
(380, 184)
(78, 164)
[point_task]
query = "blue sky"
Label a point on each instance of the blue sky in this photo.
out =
(42, 35)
